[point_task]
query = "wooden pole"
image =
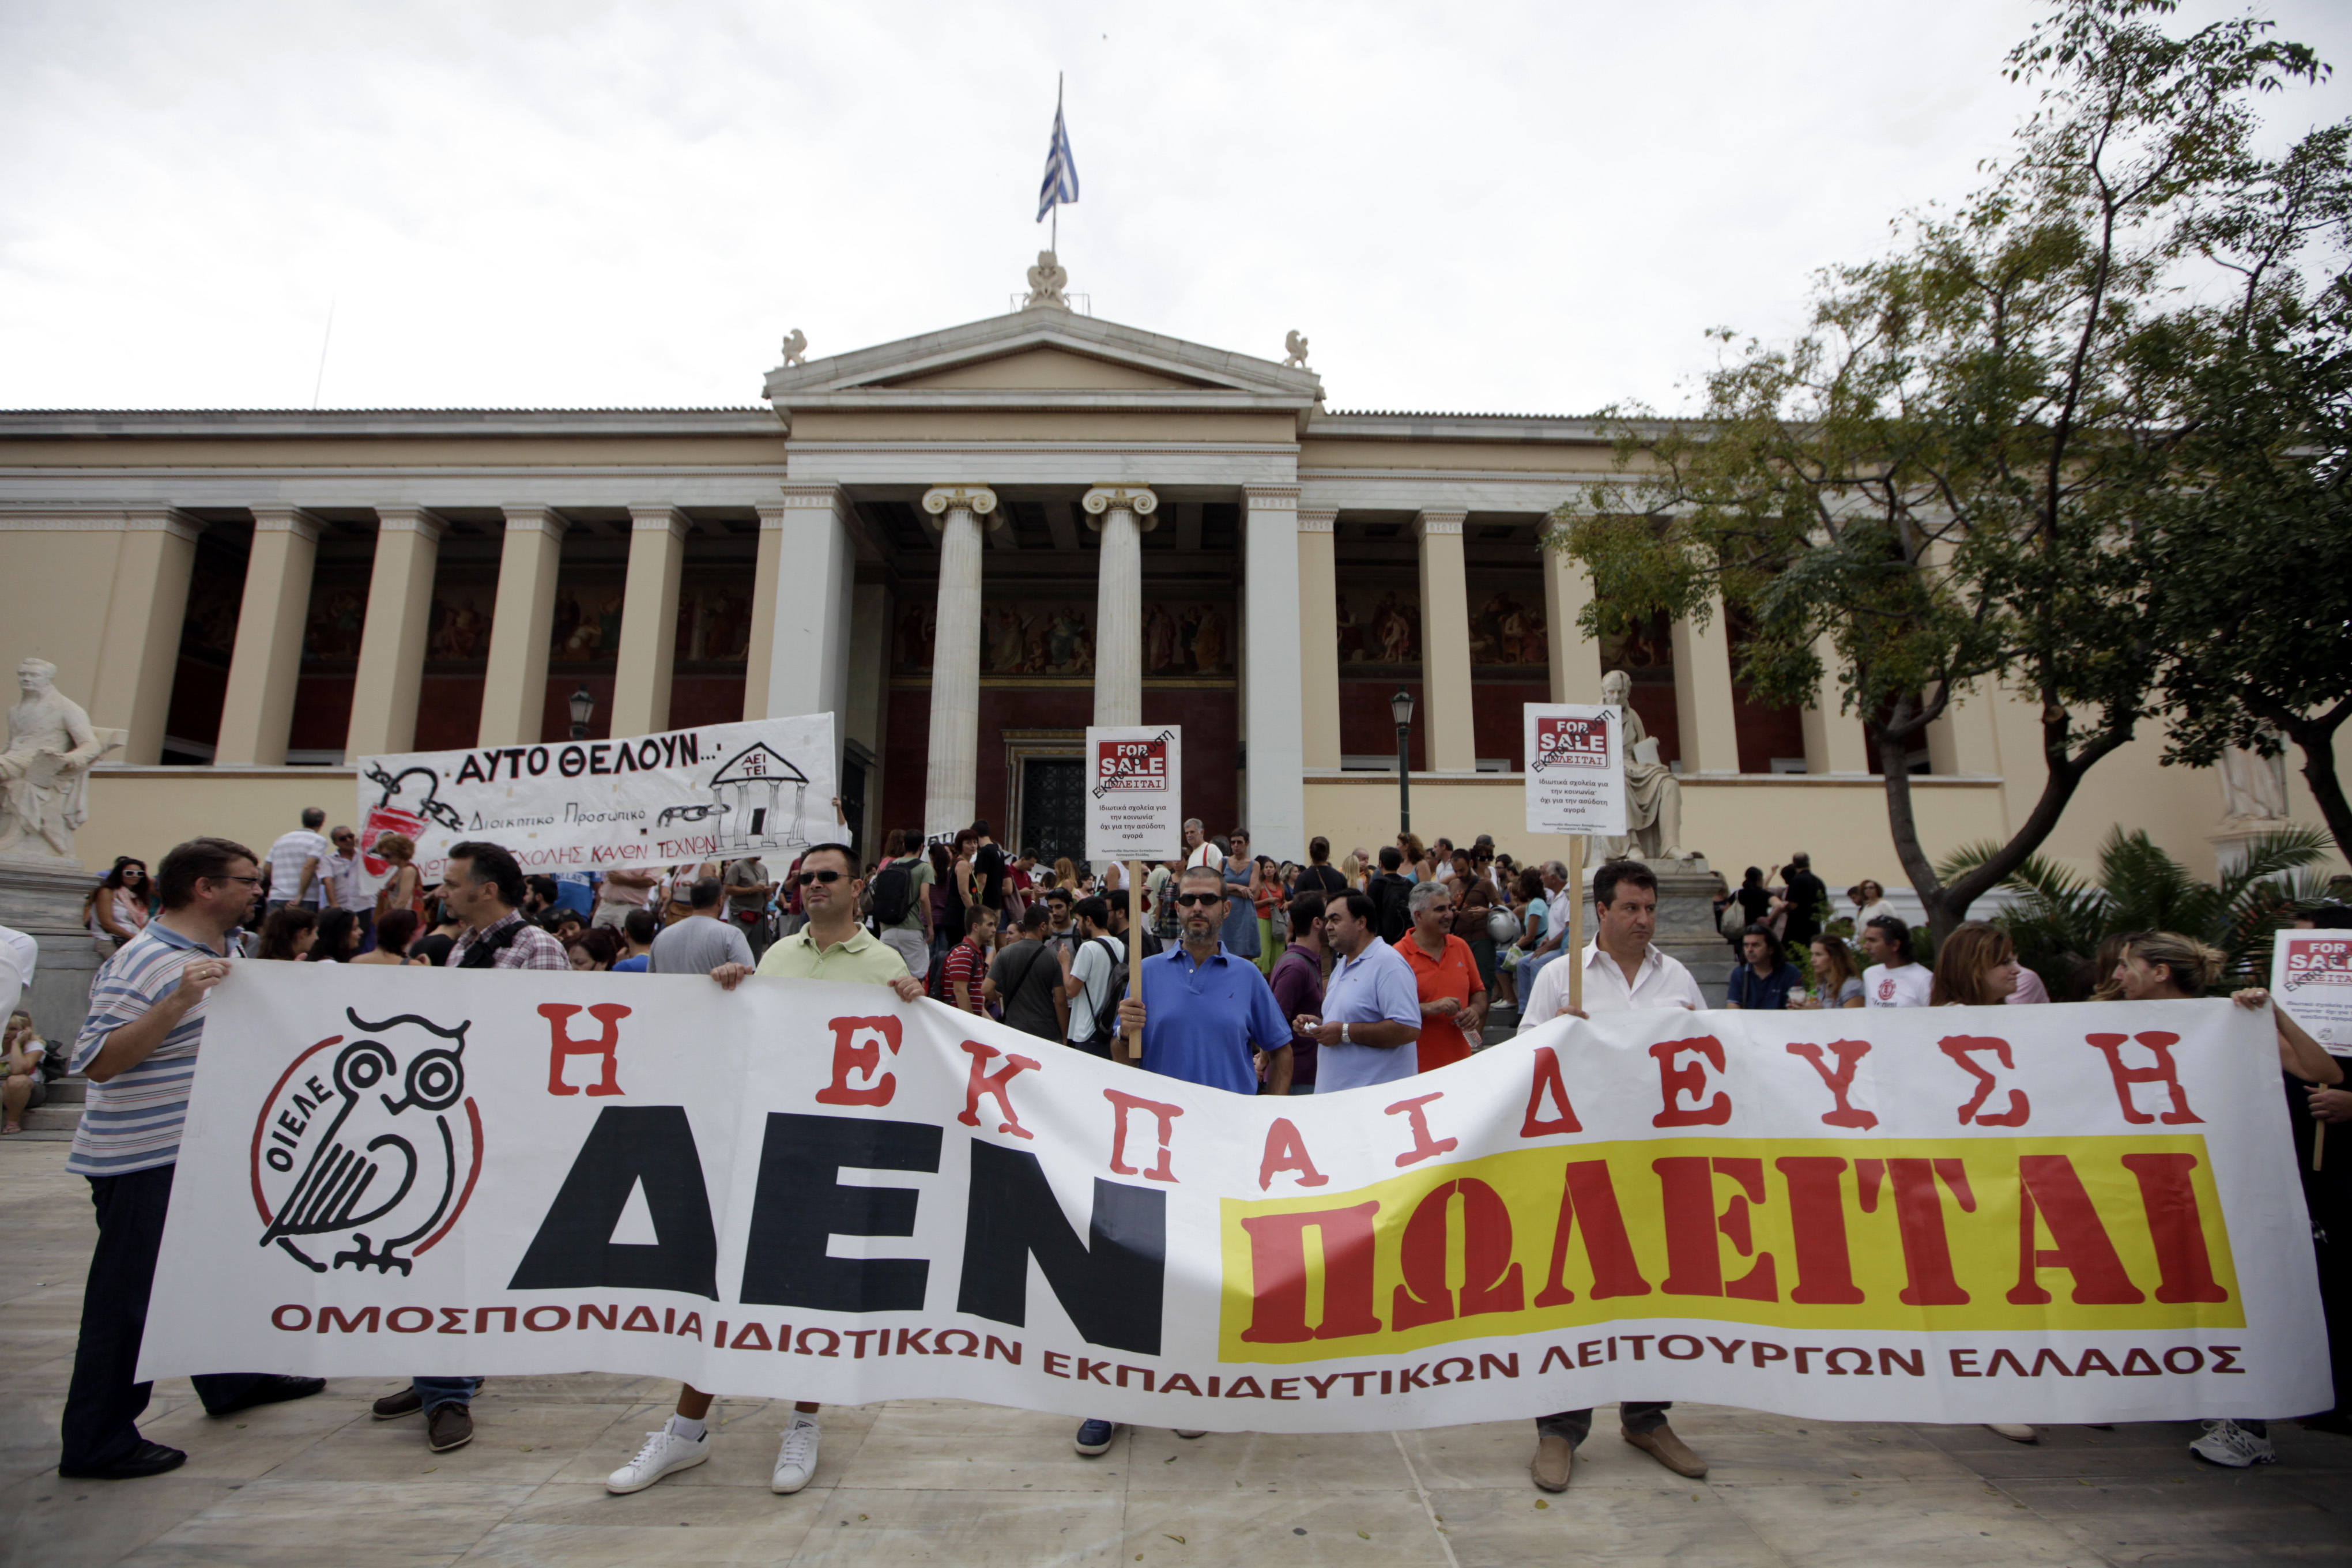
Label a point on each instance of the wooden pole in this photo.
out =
(1135, 918)
(1575, 954)
(2318, 1143)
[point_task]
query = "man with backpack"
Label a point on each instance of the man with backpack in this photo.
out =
(901, 900)
(1391, 892)
(1097, 976)
(1025, 980)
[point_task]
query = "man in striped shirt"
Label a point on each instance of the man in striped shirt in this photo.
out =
(139, 1051)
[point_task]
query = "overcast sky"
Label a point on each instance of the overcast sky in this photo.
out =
(585, 203)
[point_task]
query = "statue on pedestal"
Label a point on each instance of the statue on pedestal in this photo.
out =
(44, 772)
(2253, 787)
(1653, 796)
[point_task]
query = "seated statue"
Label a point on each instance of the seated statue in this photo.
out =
(44, 772)
(1653, 796)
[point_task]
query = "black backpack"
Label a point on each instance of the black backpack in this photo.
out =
(1106, 1016)
(893, 891)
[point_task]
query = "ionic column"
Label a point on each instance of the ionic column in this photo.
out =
(1273, 717)
(1445, 643)
(1575, 655)
(1710, 735)
(950, 789)
(258, 709)
(1834, 742)
(393, 637)
(140, 654)
(1122, 515)
(804, 655)
(1318, 639)
(514, 688)
(641, 681)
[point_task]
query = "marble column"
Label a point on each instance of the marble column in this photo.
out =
(1318, 639)
(1964, 739)
(1834, 742)
(1576, 670)
(1445, 714)
(140, 655)
(641, 678)
(1703, 704)
(953, 775)
(393, 637)
(258, 709)
(514, 688)
(767, 574)
(1274, 718)
(1122, 514)
(807, 649)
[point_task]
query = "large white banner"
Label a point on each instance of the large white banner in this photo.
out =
(1575, 769)
(717, 792)
(810, 1191)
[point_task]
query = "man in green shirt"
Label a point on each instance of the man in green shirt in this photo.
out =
(832, 946)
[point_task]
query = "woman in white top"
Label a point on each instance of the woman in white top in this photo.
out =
(1869, 903)
(117, 909)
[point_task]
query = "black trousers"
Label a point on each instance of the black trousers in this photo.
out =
(103, 1405)
(1573, 1425)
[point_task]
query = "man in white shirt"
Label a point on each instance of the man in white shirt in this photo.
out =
(1893, 979)
(1621, 972)
(1198, 850)
(1095, 973)
(295, 861)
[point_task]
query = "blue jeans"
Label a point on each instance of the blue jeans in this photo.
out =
(438, 1392)
(1529, 967)
(1573, 1425)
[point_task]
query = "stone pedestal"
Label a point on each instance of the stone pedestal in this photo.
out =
(1686, 928)
(42, 897)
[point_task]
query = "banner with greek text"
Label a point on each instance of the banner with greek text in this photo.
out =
(718, 792)
(800, 1190)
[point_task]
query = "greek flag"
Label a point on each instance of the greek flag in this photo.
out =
(1061, 169)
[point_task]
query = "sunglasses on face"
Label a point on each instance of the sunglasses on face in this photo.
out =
(826, 877)
(1190, 900)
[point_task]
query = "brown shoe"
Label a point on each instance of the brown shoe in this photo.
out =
(1555, 1456)
(392, 1406)
(1661, 1444)
(449, 1426)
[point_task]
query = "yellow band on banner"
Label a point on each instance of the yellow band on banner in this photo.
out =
(2030, 1233)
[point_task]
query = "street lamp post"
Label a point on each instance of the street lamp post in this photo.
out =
(584, 708)
(1401, 709)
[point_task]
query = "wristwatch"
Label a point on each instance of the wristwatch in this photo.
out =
(1343, 1033)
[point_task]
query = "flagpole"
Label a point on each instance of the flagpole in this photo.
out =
(1057, 241)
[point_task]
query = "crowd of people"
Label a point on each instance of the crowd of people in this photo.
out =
(1258, 977)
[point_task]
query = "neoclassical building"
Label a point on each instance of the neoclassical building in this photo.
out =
(967, 546)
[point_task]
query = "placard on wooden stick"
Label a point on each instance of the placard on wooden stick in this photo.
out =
(1134, 812)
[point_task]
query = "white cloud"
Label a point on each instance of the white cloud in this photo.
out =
(1523, 207)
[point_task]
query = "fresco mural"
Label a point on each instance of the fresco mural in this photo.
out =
(216, 593)
(1180, 637)
(1379, 626)
(1507, 628)
(337, 614)
(459, 629)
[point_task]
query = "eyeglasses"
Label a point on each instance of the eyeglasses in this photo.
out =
(828, 877)
(1190, 900)
(249, 882)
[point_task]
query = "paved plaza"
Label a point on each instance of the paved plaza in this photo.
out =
(941, 1482)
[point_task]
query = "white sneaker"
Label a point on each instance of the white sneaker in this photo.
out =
(796, 1460)
(2227, 1443)
(663, 1452)
(2016, 1432)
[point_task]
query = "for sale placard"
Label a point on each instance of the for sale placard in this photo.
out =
(1575, 769)
(2311, 977)
(1135, 795)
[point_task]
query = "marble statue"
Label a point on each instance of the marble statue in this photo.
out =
(795, 348)
(1047, 281)
(44, 772)
(1295, 341)
(1653, 796)
(2253, 787)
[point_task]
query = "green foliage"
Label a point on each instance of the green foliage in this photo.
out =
(2060, 918)
(1945, 479)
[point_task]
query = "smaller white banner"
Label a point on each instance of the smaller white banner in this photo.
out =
(717, 792)
(1135, 794)
(1575, 769)
(2311, 977)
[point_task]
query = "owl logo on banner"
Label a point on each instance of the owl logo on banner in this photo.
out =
(367, 1148)
(1570, 743)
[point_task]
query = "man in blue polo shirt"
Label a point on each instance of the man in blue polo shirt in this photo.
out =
(1371, 1005)
(1204, 1015)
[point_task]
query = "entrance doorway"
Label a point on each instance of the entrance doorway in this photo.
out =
(1052, 820)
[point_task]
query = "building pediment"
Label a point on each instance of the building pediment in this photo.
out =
(1043, 359)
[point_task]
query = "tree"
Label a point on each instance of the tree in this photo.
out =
(1942, 480)
(2253, 552)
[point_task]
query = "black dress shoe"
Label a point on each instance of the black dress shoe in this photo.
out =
(269, 1391)
(146, 1460)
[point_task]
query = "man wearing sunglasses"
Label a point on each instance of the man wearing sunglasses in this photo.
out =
(832, 946)
(1206, 1016)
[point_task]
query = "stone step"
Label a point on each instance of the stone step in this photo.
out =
(54, 1118)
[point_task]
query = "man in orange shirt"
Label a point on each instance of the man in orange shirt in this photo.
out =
(1452, 996)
